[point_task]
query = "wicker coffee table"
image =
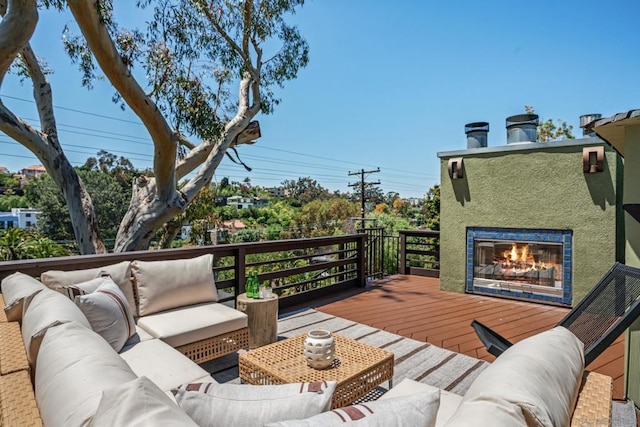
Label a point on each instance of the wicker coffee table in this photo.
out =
(358, 368)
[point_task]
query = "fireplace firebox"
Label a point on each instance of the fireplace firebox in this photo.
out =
(520, 263)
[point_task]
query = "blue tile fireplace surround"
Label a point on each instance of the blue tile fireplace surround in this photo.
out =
(534, 264)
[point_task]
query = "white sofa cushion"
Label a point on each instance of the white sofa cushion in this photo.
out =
(43, 310)
(449, 402)
(488, 412)
(162, 364)
(74, 366)
(108, 313)
(243, 405)
(187, 325)
(15, 289)
(415, 410)
(540, 375)
(120, 273)
(140, 336)
(138, 403)
(164, 285)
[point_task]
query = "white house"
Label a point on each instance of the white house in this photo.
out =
(240, 202)
(19, 217)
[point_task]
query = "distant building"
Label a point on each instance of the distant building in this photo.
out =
(260, 203)
(35, 171)
(233, 225)
(3, 169)
(19, 217)
(244, 202)
(276, 191)
(8, 220)
(185, 232)
(414, 201)
(240, 202)
(225, 229)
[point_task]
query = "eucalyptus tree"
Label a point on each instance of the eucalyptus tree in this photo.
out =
(177, 75)
(19, 19)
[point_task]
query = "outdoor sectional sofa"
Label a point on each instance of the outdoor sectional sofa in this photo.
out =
(81, 378)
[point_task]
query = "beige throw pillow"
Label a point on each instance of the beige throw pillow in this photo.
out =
(138, 403)
(108, 313)
(120, 273)
(415, 410)
(43, 310)
(163, 285)
(15, 289)
(244, 405)
(538, 377)
(74, 367)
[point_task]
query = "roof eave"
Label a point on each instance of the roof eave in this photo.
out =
(612, 129)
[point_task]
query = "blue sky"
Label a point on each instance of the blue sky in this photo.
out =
(389, 85)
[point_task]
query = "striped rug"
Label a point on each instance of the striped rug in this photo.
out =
(416, 360)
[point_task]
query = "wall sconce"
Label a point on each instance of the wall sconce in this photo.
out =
(592, 159)
(455, 168)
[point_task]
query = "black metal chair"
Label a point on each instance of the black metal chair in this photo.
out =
(607, 310)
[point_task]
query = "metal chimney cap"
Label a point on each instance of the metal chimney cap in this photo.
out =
(585, 119)
(476, 126)
(520, 119)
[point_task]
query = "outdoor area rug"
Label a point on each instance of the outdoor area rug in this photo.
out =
(416, 360)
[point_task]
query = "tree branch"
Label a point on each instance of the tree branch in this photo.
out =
(223, 33)
(21, 131)
(16, 28)
(116, 70)
(247, 27)
(242, 51)
(41, 92)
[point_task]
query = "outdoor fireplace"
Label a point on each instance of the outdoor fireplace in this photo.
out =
(520, 263)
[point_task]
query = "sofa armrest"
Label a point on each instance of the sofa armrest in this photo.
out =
(593, 407)
(13, 357)
(3, 315)
(17, 400)
(19, 407)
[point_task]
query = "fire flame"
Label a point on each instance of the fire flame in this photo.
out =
(521, 256)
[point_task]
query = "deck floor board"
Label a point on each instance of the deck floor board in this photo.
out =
(415, 307)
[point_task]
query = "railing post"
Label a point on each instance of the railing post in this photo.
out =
(240, 271)
(362, 260)
(402, 268)
(341, 256)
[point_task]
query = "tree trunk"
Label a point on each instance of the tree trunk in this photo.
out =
(145, 215)
(172, 228)
(16, 27)
(157, 200)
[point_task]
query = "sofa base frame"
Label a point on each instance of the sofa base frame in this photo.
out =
(211, 348)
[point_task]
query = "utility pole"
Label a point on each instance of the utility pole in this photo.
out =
(362, 185)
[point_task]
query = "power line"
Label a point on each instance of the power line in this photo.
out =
(99, 133)
(149, 143)
(76, 111)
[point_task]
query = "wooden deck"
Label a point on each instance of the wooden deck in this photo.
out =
(415, 307)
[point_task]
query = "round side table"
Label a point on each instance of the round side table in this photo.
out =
(263, 318)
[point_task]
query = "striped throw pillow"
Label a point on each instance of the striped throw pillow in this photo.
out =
(239, 405)
(415, 410)
(83, 288)
(108, 313)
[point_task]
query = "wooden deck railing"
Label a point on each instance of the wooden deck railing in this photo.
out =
(420, 252)
(300, 270)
